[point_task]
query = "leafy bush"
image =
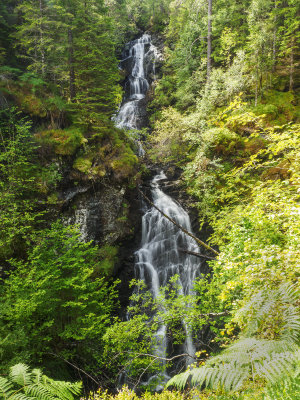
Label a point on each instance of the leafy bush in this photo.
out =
(128, 394)
(220, 141)
(67, 310)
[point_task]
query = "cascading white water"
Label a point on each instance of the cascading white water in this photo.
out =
(130, 110)
(160, 256)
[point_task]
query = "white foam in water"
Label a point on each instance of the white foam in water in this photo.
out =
(160, 258)
(127, 117)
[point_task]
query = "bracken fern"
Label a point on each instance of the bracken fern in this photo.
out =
(23, 384)
(255, 357)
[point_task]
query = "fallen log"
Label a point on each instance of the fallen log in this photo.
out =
(197, 240)
(193, 253)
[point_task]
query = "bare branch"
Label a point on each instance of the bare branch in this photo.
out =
(77, 368)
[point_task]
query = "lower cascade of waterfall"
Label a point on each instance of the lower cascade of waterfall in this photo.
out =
(160, 256)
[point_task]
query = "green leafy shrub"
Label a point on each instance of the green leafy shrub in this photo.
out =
(67, 310)
(220, 140)
(128, 394)
(23, 185)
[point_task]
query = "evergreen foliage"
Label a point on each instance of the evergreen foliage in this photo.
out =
(23, 182)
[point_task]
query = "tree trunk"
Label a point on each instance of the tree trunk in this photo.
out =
(274, 38)
(256, 84)
(193, 253)
(292, 67)
(209, 16)
(42, 40)
(71, 66)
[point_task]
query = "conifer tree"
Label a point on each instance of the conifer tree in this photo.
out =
(95, 63)
(34, 35)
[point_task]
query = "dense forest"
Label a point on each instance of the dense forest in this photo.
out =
(221, 117)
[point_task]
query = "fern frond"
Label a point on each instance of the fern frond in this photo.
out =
(251, 356)
(20, 396)
(5, 387)
(199, 375)
(20, 374)
(279, 366)
(37, 375)
(39, 391)
(247, 357)
(179, 380)
(228, 376)
(261, 306)
(64, 390)
(35, 386)
(287, 389)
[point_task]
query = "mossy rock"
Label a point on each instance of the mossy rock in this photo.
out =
(82, 164)
(61, 141)
(31, 105)
(99, 171)
(108, 256)
(124, 166)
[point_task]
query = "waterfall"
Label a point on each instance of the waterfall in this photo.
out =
(160, 256)
(133, 107)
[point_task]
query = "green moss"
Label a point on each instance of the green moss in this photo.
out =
(108, 256)
(82, 164)
(61, 141)
(124, 165)
(52, 198)
(278, 107)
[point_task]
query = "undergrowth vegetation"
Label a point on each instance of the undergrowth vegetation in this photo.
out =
(22, 383)
(225, 111)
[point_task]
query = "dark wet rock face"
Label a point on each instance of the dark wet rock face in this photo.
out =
(107, 214)
(99, 214)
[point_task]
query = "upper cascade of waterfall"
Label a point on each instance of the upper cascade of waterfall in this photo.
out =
(139, 64)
